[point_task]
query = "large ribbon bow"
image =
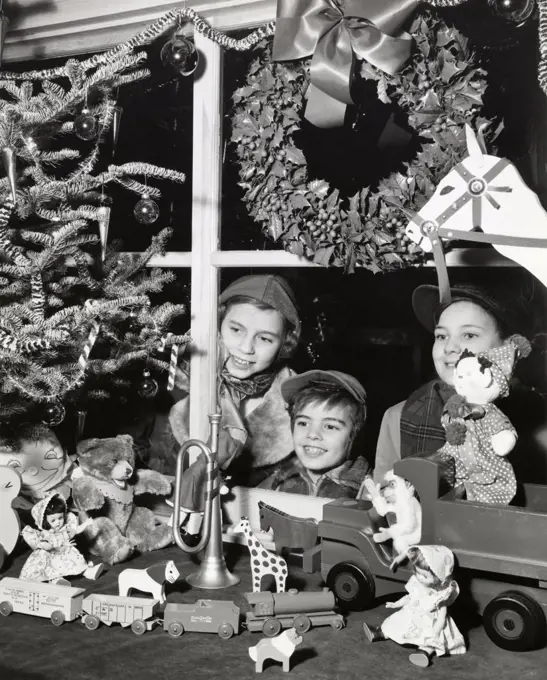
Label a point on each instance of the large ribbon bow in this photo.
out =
(334, 32)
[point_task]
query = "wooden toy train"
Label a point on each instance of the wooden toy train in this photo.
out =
(270, 612)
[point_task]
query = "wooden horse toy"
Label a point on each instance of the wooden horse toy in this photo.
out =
(10, 526)
(279, 648)
(485, 192)
(290, 532)
(151, 580)
(263, 562)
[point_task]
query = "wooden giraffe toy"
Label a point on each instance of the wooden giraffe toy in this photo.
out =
(263, 561)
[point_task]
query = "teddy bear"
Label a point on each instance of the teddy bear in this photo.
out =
(104, 488)
(479, 436)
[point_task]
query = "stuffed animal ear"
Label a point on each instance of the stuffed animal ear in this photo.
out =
(87, 445)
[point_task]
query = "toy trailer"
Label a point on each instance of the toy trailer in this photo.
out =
(274, 611)
(136, 612)
(204, 616)
(59, 603)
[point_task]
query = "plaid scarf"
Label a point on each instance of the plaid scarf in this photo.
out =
(421, 429)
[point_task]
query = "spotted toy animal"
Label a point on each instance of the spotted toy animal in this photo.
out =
(263, 561)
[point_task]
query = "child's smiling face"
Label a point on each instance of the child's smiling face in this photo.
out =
(252, 338)
(322, 436)
(462, 325)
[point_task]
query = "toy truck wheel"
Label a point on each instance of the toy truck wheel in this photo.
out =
(225, 631)
(353, 586)
(91, 622)
(57, 618)
(175, 629)
(302, 624)
(337, 624)
(271, 627)
(138, 627)
(514, 621)
(6, 608)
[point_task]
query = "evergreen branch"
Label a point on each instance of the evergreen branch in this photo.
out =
(138, 187)
(112, 365)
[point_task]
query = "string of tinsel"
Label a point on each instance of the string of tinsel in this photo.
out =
(171, 18)
(148, 35)
(542, 66)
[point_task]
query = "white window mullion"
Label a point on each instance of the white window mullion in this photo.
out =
(206, 199)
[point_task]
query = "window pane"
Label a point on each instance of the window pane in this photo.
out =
(156, 127)
(239, 230)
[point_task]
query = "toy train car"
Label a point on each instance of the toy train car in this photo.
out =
(58, 603)
(204, 616)
(64, 603)
(136, 612)
(273, 611)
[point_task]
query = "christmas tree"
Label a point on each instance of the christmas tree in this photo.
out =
(74, 316)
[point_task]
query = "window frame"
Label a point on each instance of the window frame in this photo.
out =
(78, 26)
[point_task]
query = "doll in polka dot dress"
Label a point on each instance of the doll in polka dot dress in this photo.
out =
(479, 435)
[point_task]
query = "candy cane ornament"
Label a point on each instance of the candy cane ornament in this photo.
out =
(84, 356)
(173, 367)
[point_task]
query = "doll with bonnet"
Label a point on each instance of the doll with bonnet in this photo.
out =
(54, 553)
(479, 435)
(423, 620)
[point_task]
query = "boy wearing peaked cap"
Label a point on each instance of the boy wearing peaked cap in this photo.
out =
(327, 409)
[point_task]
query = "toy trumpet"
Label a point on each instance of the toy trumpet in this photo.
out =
(213, 572)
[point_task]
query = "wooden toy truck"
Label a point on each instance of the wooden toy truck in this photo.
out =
(273, 611)
(58, 603)
(500, 552)
(136, 612)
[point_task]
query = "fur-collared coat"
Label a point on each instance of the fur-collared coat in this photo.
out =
(251, 439)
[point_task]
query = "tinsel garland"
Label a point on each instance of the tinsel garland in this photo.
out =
(148, 35)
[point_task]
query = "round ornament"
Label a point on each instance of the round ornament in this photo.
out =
(146, 211)
(148, 387)
(439, 90)
(53, 414)
(513, 11)
(180, 54)
(86, 126)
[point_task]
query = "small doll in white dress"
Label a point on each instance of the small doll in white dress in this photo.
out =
(54, 552)
(423, 619)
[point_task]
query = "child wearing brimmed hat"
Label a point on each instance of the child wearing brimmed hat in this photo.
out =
(259, 332)
(475, 320)
(327, 409)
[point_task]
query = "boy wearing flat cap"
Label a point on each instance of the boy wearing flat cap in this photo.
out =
(327, 409)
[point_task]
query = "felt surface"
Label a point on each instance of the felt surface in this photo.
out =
(32, 648)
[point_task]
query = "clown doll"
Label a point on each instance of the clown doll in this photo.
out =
(479, 435)
(39, 458)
